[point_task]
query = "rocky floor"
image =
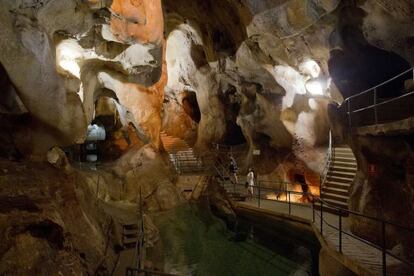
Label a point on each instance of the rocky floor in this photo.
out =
(49, 223)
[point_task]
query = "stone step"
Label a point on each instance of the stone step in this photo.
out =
(338, 179)
(185, 156)
(175, 144)
(336, 167)
(132, 226)
(337, 185)
(344, 175)
(130, 231)
(130, 243)
(344, 155)
(176, 147)
(130, 236)
(342, 149)
(350, 164)
(336, 191)
(341, 160)
(335, 197)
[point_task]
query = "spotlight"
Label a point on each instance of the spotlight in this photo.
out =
(318, 86)
(67, 54)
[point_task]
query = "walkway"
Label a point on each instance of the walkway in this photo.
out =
(363, 259)
(375, 113)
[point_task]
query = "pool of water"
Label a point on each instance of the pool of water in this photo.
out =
(194, 242)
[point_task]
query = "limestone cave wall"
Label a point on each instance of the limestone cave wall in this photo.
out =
(265, 74)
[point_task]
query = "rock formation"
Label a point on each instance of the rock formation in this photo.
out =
(261, 74)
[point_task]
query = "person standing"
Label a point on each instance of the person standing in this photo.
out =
(250, 182)
(233, 168)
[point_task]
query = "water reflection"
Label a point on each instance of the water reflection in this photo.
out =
(194, 242)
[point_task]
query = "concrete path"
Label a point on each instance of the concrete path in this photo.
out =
(364, 258)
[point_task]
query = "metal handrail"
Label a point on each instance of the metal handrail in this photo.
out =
(375, 104)
(342, 212)
(395, 224)
(382, 103)
(328, 162)
(379, 85)
(139, 257)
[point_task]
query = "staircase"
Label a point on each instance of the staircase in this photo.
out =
(340, 175)
(130, 235)
(181, 155)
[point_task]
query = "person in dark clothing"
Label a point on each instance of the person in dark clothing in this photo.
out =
(233, 168)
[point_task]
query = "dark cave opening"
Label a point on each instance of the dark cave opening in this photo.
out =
(9, 99)
(190, 106)
(49, 231)
(234, 134)
(355, 65)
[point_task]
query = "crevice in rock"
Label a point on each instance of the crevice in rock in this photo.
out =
(190, 106)
(49, 231)
(10, 101)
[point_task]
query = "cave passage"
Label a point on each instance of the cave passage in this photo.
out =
(360, 66)
(190, 106)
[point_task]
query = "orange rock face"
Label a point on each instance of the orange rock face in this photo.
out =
(138, 20)
(141, 21)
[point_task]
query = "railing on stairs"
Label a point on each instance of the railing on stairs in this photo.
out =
(317, 204)
(138, 266)
(139, 252)
(329, 158)
(373, 110)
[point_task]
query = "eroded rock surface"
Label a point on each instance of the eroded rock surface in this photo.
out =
(261, 73)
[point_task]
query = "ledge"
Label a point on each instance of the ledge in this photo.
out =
(398, 127)
(330, 249)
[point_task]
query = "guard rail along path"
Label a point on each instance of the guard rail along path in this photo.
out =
(333, 226)
(373, 107)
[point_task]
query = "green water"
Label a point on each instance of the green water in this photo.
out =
(194, 242)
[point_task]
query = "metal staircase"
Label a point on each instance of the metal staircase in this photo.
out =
(339, 177)
(182, 155)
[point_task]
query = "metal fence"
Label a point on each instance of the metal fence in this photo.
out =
(375, 106)
(137, 268)
(319, 212)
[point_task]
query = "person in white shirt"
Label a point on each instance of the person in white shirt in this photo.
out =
(250, 182)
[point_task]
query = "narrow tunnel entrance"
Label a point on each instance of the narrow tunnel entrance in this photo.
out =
(190, 106)
(355, 65)
(13, 116)
(232, 102)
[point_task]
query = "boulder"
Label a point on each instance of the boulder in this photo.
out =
(58, 159)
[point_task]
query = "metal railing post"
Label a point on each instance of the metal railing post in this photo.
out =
(321, 218)
(290, 211)
(384, 250)
(375, 107)
(340, 231)
(349, 113)
(313, 210)
(258, 194)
